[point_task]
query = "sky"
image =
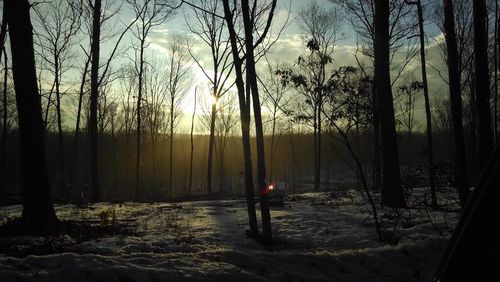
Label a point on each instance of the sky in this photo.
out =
(290, 45)
(286, 49)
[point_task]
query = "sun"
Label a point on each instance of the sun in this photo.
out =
(212, 100)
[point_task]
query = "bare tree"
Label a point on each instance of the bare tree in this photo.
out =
(456, 102)
(38, 211)
(151, 13)
(209, 28)
(425, 85)
(108, 12)
(392, 191)
(179, 82)
(127, 112)
(9, 116)
(349, 106)
(225, 124)
(402, 26)
(250, 22)
(277, 102)
(322, 28)
(482, 81)
(94, 100)
(57, 24)
(156, 87)
(406, 96)
(191, 139)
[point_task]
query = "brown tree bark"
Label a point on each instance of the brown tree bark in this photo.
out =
(456, 102)
(482, 81)
(392, 191)
(38, 210)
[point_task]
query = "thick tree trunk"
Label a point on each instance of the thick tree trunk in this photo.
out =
(377, 171)
(456, 102)
(94, 100)
(38, 210)
(245, 122)
(482, 81)
(211, 143)
(428, 116)
(392, 191)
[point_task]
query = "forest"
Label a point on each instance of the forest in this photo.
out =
(261, 140)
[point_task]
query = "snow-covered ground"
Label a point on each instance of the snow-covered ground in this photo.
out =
(325, 237)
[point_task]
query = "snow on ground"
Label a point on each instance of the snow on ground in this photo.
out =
(325, 237)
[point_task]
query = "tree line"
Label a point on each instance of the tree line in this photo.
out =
(123, 110)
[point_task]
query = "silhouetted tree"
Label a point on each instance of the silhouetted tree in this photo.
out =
(349, 106)
(210, 29)
(402, 26)
(392, 191)
(191, 139)
(178, 77)
(482, 81)
(456, 102)
(154, 105)
(277, 100)
(250, 18)
(57, 25)
(428, 117)
(38, 211)
(244, 105)
(322, 27)
(94, 100)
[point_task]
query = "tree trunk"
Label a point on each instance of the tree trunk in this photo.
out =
(59, 122)
(317, 170)
(497, 68)
(316, 149)
(5, 130)
(251, 76)
(94, 100)
(113, 144)
(392, 191)
(377, 173)
(428, 116)
(211, 143)
(482, 84)
(245, 122)
(190, 187)
(139, 120)
(77, 126)
(171, 156)
(273, 147)
(38, 211)
(456, 102)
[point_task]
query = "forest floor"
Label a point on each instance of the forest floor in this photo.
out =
(326, 236)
